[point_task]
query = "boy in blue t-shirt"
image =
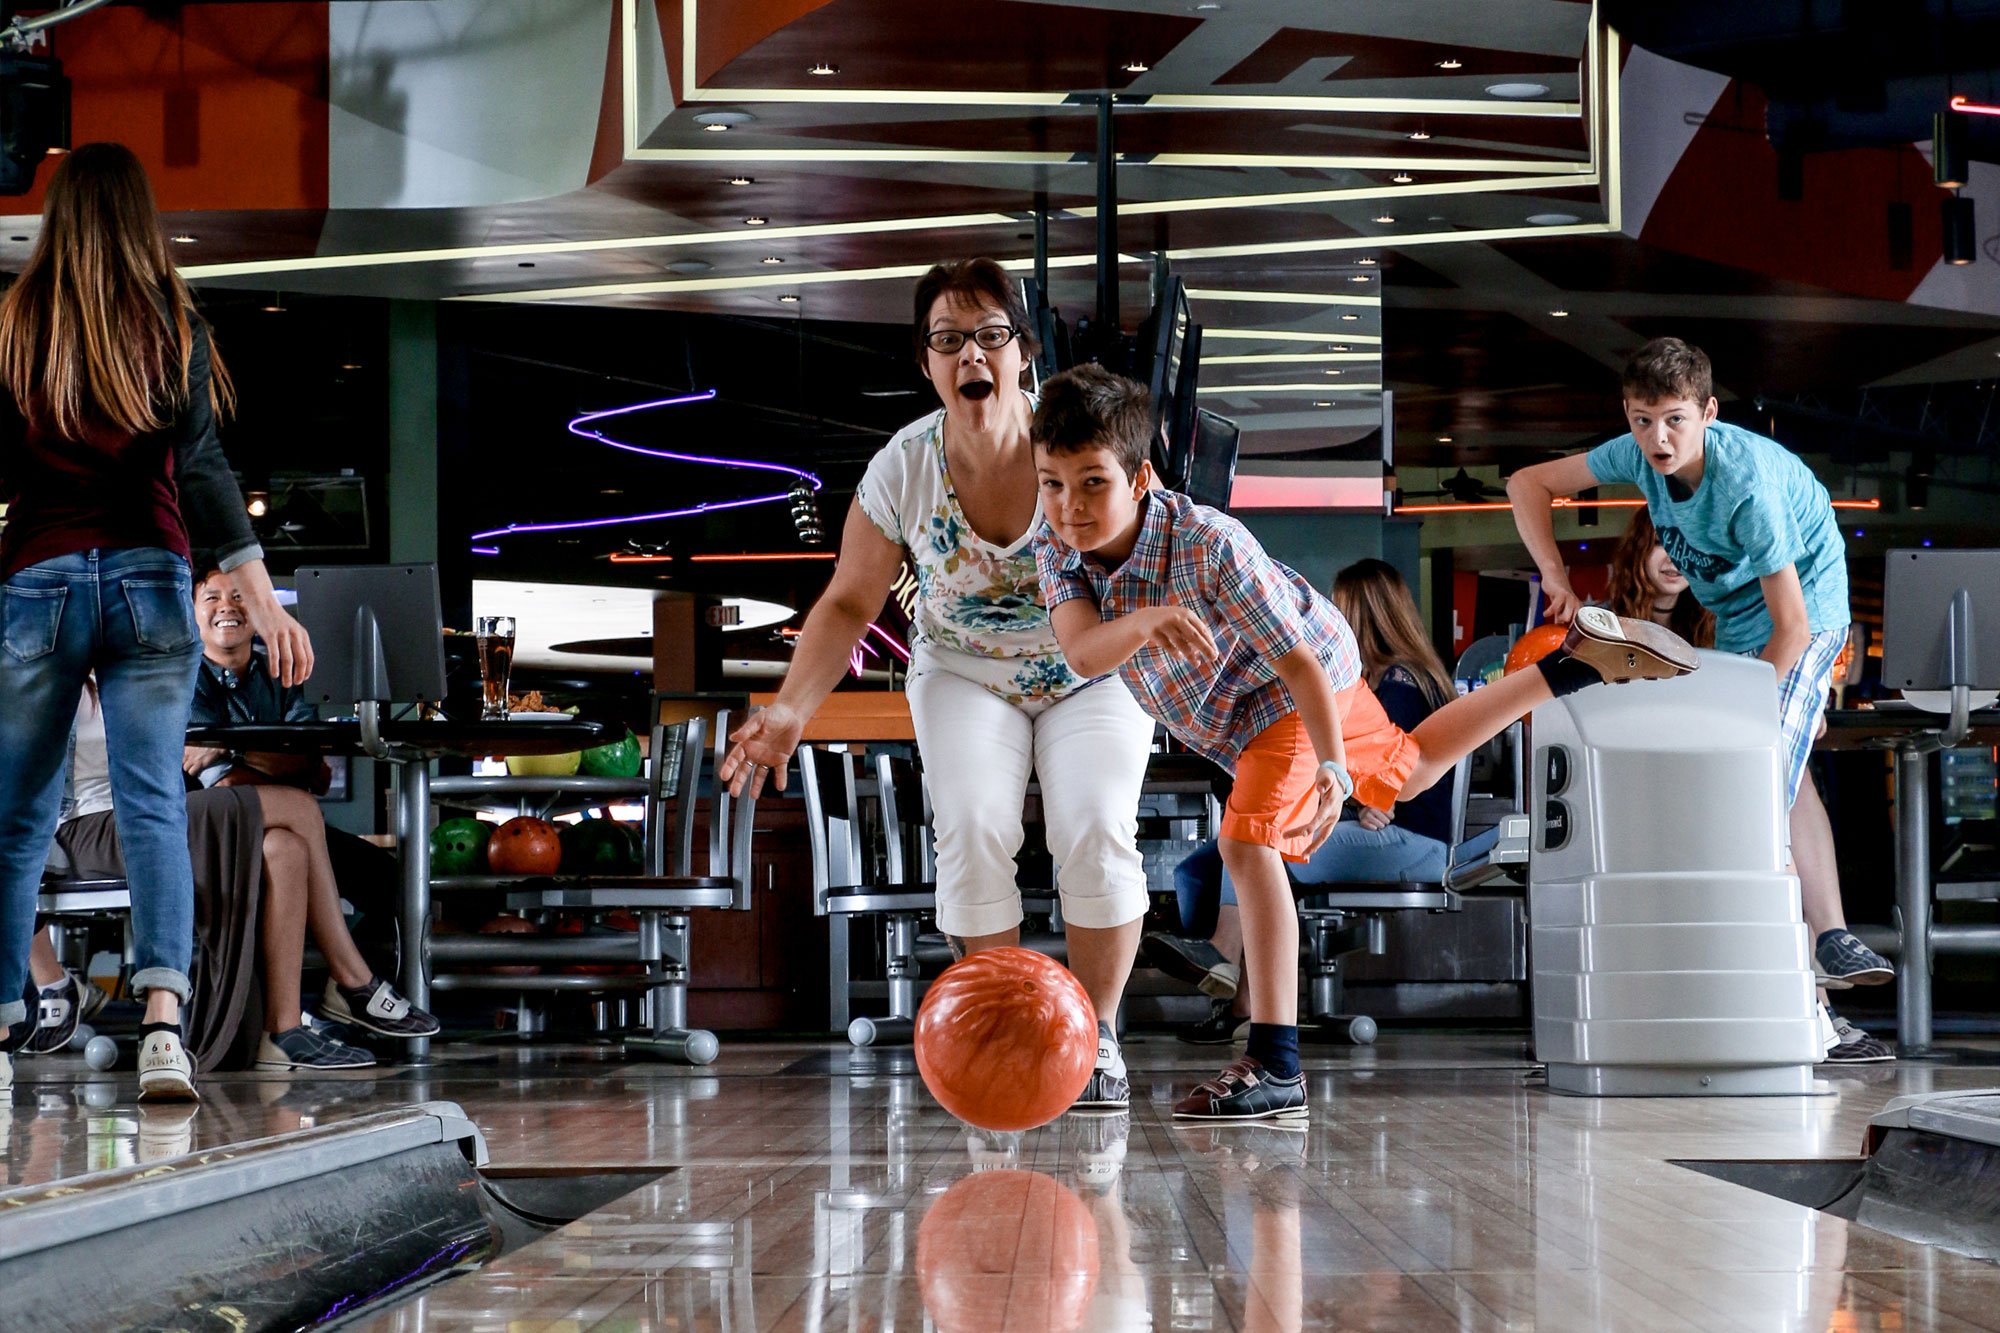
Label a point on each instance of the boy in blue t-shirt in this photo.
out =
(1752, 530)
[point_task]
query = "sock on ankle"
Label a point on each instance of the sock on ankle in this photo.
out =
(1108, 1055)
(1276, 1047)
(148, 1029)
(1565, 674)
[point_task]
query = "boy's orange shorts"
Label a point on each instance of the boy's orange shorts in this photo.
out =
(1275, 772)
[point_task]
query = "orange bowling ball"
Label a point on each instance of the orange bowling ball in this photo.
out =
(1533, 646)
(1007, 1252)
(1006, 1039)
(524, 846)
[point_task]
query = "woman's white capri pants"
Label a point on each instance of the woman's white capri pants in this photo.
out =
(1090, 751)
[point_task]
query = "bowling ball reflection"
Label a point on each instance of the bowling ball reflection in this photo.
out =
(1007, 1252)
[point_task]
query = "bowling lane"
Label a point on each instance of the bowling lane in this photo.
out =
(1438, 1187)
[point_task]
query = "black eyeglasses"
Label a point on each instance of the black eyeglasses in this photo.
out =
(990, 339)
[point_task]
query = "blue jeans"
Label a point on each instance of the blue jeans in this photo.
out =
(1350, 853)
(130, 615)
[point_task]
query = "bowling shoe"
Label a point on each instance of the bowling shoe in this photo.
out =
(1197, 962)
(1245, 1090)
(60, 1009)
(1852, 1046)
(307, 1047)
(1621, 649)
(1222, 1026)
(1841, 960)
(165, 1072)
(376, 1007)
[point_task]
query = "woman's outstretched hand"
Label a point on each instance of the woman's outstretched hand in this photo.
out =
(762, 746)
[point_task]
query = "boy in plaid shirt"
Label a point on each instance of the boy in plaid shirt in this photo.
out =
(1246, 663)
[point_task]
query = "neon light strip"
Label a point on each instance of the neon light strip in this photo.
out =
(1568, 502)
(1283, 336)
(486, 550)
(885, 636)
(1288, 358)
(1250, 390)
(632, 558)
(760, 556)
(1279, 298)
(700, 459)
(1959, 102)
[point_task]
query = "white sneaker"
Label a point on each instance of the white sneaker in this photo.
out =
(1829, 1036)
(165, 1072)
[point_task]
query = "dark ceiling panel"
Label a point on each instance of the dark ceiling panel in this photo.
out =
(1369, 57)
(998, 45)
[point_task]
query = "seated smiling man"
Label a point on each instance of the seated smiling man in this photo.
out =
(235, 686)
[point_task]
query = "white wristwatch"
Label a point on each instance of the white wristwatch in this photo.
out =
(1340, 777)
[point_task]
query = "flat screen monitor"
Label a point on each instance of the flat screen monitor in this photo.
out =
(1179, 418)
(348, 608)
(1163, 341)
(1212, 461)
(1916, 613)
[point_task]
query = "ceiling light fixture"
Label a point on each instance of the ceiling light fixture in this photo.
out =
(1516, 91)
(1420, 135)
(1336, 347)
(1330, 372)
(1350, 316)
(742, 180)
(1322, 402)
(1402, 178)
(1452, 62)
(276, 305)
(790, 298)
(756, 220)
(1444, 439)
(1961, 242)
(715, 129)
(823, 70)
(1135, 67)
(1357, 277)
(1559, 314)
(772, 259)
(182, 239)
(1366, 261)
(1385, 218)
(259, 505)
(1950, 167)
(712, 121)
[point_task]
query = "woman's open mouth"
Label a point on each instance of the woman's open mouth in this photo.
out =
(976, 389)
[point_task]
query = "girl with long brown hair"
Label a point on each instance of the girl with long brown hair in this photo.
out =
(109, 464)
(1644, 585)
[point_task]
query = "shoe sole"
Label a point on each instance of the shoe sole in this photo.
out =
(1874, 976)
(1621, 650)
(267, 1067)
(1884, 1059)
(1229, 1040)
(1181, 968)
(167, 1087)
(1218, 985)
(354, 1020)
(1286, 1113)
(1101, 1108)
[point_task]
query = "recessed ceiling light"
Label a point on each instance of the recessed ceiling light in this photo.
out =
(1552, 219)
(822, 70)
(772, 259)
(1420, 135)
(1329, 372)
(1366, 261)
(1444, 439)
(1516, 90)
(1357, 277)
(1559, 314)
(756, 220)
(1135, 67)
(1350, 317)
(350, 365)
(1322, 402)
(1385, 218)
(1402, 178)
(182, 239)
(742, 180)
(715, 129)
(790, 298)
(1208, 7)
(1451, 64)
(1336, 347)
(722, 120)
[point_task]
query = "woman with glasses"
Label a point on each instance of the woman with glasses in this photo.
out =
(990, 694)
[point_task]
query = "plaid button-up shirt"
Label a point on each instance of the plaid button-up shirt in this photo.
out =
(1258, 609)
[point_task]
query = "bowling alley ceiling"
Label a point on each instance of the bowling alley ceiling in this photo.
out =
(1483, 205)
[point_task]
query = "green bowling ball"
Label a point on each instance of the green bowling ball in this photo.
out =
(620, 759)
(597, 847)
(458, 847)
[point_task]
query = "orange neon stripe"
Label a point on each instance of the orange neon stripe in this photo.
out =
(1959, 102)
(628, 558)
(762, 555)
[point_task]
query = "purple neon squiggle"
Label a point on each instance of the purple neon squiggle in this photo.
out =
(576, 426)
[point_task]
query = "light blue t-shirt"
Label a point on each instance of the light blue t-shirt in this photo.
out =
(1758, 509)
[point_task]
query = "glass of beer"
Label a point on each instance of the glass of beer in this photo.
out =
(496, 659)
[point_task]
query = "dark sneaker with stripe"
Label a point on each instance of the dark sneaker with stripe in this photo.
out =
(1620, 649)
(307, 1047)
(1841, 960)
(1197, 962)
(1245, 1090)
(1222, 1026)
(60, 1009)
(376, 1007)
(1852, 1046)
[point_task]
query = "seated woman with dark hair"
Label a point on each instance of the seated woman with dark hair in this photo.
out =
(1411, 682)
(262, 880)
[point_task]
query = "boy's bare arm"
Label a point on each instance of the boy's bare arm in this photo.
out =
(1095, 646)
(1313, 696)
(1791, 628)
(1532, 492)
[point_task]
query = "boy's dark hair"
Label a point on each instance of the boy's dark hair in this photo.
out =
(974, 281)
(1088, 407)
(1668, 368)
